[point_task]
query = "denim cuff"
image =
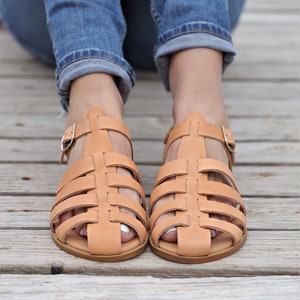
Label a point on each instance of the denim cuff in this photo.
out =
(187, 41)
(76, 65)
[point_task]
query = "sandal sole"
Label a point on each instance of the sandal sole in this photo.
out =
(196, 260)
(100, 258)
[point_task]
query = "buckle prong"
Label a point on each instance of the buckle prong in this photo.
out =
(64, 146)
(231, 148)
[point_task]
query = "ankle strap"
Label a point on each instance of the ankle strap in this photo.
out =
(75, 131)
(208, 130)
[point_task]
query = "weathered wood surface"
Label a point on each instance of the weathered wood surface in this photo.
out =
(261, 152)
(262, 93)
(122, 288)
(265, 253)
(263, 129)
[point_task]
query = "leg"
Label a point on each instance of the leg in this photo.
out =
(86, 92)
(191, 63)
(196, 91)
(94, 81)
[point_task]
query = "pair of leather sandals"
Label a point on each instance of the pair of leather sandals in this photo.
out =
(91, 187)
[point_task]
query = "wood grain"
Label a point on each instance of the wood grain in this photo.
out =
(262, 93)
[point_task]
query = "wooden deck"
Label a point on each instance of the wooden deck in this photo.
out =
(262, 92)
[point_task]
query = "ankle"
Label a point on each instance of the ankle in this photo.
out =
(212, 109)
(195, 77)
(94, 90)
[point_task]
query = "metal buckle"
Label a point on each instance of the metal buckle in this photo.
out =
(231, 148)
(64, 146)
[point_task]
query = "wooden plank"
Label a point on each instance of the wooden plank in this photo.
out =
(259, 48)
(273, 213)
(26, 204)
(267, 6)
(258, 71)
(246, 53)
(30, 68)
(264, 214)
(33, 252)
(12, 51)
(238, 106)
(149, 152)
(268, 153)
(29, 150)
(140, 288)
(42, 179)
(264, 129)
(247, 34)
(27, 87)
(267, 19)
(148, 98)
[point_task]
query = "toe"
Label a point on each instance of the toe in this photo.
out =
(127, 233)
(170, 235)
(65, 216)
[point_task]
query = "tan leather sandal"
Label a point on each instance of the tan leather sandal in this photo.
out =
(194, 202)
(93, 184)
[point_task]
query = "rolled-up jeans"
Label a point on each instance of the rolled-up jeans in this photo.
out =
(90, 36)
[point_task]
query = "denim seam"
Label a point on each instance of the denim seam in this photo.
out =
(180, 30)
(101, 54)
(155, 15)
(163, 52)
(124, 82)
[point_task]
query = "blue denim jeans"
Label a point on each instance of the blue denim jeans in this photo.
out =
(112, 36)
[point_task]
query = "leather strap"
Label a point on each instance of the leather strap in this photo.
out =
(93, 184)
(186, 178)
(72, 133)
(206, 130)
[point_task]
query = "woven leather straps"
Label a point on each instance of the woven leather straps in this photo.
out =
(197, 198)
(91, 187)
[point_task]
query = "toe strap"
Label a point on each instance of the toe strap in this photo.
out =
(67, 226)
(234, 231)
(138, 227)
(80, 201)
(171, 206)
(171, 222)
(196, 194)
(195, 201)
